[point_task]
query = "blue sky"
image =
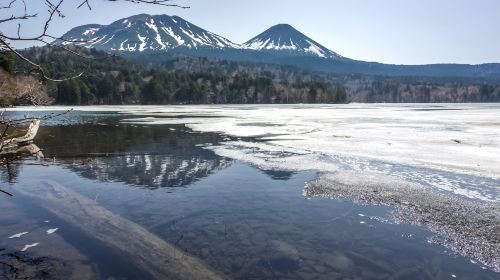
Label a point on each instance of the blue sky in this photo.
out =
(390, 31)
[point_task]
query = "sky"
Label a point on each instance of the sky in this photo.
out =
(388, 31)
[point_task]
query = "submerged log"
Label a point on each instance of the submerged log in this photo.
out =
(150, 253)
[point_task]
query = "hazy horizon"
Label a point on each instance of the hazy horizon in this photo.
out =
(388, 31)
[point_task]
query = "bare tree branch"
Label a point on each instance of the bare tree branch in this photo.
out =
(53, 10)
(7, 193)
(22, 15)
(27, 119)
(167, 3)
(8, 6)
(36, 67)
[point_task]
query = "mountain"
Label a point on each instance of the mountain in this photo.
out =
(146, 33)
(157, 38)
(285, 39)
(162, 33)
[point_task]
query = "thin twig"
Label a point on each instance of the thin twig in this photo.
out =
(36, 66)
(45, 117)
(7, 193)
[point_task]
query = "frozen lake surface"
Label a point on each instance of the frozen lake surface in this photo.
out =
(222, 180)
(461, 138)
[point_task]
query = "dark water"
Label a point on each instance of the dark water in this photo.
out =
(238, 220)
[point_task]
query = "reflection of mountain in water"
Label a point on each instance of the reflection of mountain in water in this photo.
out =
(149, 156)
(279, 175)
(152, 170)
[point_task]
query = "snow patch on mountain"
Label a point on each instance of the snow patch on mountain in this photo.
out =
(90, 31)
(175, 36)
(315, 49)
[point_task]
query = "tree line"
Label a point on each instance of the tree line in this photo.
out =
(358, 87)
(111, 79)
(115, 80)
(159, 87)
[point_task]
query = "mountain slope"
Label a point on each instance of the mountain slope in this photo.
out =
(146, 33)
(288, 40)
(157, 38)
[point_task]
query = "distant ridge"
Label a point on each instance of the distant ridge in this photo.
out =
(155, 38)
(152, 33)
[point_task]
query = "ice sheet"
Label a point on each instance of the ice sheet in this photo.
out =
(464, 138)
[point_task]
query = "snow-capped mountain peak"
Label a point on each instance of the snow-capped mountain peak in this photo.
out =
(283, 37)
(144, 32)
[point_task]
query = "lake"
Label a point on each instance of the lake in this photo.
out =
(357, 191)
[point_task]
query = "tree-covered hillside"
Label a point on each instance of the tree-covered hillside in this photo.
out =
(115, 80)
(358, 87)
(167, 79)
